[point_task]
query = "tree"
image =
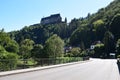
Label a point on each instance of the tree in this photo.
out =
(54, 46)
(99, 50)
(12, 47)
(99, 27)
(25, 48)
(80, 37)
(109, 43)
(75, 52)
(9, 44)
(4, 38)
(37, 51)
(118, 47)
(115, 26)
(7, 60)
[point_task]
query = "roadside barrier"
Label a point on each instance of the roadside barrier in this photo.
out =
(7, 65)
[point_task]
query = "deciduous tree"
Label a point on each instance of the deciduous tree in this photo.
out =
(54, 46)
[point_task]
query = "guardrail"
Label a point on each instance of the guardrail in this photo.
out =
(11, 64)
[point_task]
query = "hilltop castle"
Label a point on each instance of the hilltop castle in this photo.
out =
(52, 19)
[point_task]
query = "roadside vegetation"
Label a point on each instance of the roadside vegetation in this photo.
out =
(96, 35)
(28, 54)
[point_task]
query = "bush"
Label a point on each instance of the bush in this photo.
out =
(118, 56)
(8, 60)
(99, 50)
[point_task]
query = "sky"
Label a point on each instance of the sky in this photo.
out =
(15, 14)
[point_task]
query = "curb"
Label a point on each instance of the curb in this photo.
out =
(14, 72)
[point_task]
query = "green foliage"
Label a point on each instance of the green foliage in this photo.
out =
(98, 23)
(80, 37)
(115, 26)
(37, 51)
(8, 48)
(12, 47)
(27, 62)
(54, 46)
(118, 47)
(4, 39)
(25, 48)
(99, 50)
(76, 52)
(8, 60)
(9, 44)
(99, 28)
(84, 53)
(2, 49)
(91, 53)
(118, 56)
(109, 43)
(39, 33)
(94, 26)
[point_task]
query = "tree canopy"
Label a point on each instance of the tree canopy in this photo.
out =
(54, 46)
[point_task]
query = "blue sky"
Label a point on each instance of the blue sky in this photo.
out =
(15, 14)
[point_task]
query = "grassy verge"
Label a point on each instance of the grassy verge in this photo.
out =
(28, 63)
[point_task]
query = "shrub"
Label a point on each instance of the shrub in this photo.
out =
(8, 60)
(118, 56)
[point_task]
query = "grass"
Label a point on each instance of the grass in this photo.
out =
(46, 61)
(29, 62)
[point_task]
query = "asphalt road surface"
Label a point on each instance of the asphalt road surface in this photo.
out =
(96, 69)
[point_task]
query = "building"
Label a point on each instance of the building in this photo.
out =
(93, 44)
(67, 49)
(52, 19)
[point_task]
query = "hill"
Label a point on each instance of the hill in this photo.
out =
(79, 32)
(94, 26)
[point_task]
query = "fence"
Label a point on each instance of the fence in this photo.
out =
(11, 64)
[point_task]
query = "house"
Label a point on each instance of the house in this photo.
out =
(93, 44)
(67, 49)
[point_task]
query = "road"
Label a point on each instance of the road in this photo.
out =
(96, 69)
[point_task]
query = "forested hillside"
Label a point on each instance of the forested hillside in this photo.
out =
(40, 33)
(103, 26)
(95, 25)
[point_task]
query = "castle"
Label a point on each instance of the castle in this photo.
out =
(52, 19)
